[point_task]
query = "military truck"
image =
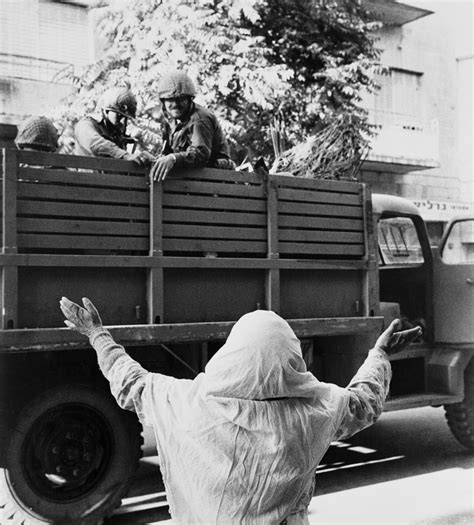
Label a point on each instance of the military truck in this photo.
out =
(171, 267)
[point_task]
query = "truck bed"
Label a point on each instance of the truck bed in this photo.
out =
(206, 246)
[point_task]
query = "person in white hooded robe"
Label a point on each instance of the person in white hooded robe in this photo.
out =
(240, 443)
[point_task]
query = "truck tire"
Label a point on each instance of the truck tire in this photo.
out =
(70, 458)
(460, 416)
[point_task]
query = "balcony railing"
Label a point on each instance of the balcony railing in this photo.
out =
(33, 68)
(403, 143)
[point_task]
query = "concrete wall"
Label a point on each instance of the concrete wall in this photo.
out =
(40, 40)
(440, 46)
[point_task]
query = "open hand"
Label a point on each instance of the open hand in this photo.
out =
(162, 167)
(83, 320)
(392, 342)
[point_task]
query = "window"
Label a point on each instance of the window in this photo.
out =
(435, 231)
(40, 38)
(405, 91)
(398, 101)
(459, 245)
(398, 242)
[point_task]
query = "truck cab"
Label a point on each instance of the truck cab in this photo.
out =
(431, 287)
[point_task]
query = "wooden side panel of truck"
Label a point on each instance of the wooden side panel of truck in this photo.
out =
(164, 251)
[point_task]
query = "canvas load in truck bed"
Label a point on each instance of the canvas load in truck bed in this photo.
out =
(207, 245)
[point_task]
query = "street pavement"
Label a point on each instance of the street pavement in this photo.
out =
(405, 470)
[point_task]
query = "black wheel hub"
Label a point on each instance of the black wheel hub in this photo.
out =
(66, 451)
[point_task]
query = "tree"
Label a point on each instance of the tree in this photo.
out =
(328, 45)
(255, 62)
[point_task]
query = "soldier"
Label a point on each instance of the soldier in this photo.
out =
(192, 135)
(37, 134)
(107, 137)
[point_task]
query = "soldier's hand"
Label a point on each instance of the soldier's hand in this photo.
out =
(392, 342)
(162, 167)
(225, 164)
(142, 158)
(83, 320)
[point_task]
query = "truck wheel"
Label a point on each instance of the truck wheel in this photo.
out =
(70, 458)
(460, 416)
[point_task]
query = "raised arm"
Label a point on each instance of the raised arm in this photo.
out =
(368, 389)
(125, 375)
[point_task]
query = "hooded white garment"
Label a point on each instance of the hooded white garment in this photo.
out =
(241, 442)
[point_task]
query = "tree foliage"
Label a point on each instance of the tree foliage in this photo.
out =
(294, 64)
(329, 48)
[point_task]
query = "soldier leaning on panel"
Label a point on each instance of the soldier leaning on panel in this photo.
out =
(107, 137)
(192, 135)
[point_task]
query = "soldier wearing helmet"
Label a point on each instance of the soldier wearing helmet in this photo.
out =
(107, 137)
(192, 135)
(37, 133)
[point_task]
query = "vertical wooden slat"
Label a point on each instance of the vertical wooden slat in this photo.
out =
(155, 287)
(272, 216)
(272, 290)
(272, 278)
(10, 168)
(9, 296)
(370, 280)
(156, 218)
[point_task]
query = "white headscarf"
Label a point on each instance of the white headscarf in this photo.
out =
(241, 442)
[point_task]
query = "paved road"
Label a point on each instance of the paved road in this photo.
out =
(407, 469)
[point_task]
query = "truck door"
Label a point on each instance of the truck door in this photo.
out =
(454, 284)
(403, 270)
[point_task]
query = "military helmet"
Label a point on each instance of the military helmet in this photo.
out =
(121, 100)
(37, 133)
(176, 84)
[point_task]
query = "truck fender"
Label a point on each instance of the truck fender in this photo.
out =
(445, 370)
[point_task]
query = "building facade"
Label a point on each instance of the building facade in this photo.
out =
(424, 108)
(41, 43)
